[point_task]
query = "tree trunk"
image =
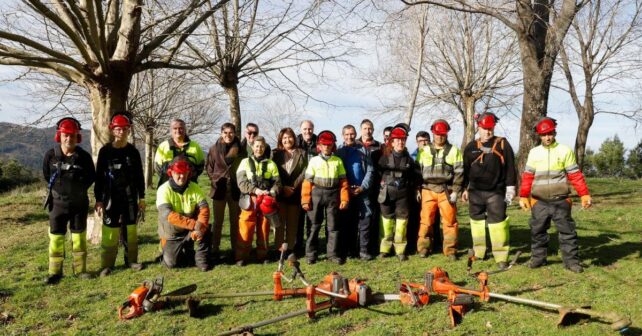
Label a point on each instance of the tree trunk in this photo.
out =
(105, 101)
(469, 120)
(586, 117)
(149, 157)
(232, 91)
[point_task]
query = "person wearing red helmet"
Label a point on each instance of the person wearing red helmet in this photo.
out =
(489, 182)
(550, 168)
(399, 176)
(325, 190)
(258, 179)
(120, 195)
(183, 218)
(69, 171)
(442, 169)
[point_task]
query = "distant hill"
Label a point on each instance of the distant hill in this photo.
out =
(28, 145)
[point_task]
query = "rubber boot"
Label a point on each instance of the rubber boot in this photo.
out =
(108, 247)
(401, 225)
(478, 231)
(56, 258)
(387, 235)
(79, 252)
(130, 242)
(499, 239)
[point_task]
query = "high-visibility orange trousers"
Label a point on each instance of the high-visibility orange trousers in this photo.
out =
(247, 225)
(431, 202)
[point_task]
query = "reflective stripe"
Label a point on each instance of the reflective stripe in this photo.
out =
(551, 165)
(186, 204)
(325, 173)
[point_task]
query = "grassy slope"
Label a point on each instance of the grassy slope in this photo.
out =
(610, 242)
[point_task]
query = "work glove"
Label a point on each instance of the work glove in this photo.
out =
(418, 196)
(452, 198)
(587, 201)
(524, 203)
(510, 194)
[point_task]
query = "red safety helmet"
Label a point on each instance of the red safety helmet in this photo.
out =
(119, 120)
(440, 127)
(486, 120)
(267, 204)
(545, 126)
(68, 125)
(326, 138)
(179, 165)
(398, 133)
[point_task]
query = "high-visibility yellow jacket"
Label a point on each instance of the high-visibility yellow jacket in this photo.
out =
(264, 175)
(548, 173)
(441, 173)
(167, 150)
(326, 173)
(179, 212)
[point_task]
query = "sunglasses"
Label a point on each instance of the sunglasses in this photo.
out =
(252, 133)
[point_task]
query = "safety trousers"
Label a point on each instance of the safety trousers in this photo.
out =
(109, 245)
(560, 212)
(57, 252)
(249, 222)
(431, 203)
(393, 233)
(499, 238)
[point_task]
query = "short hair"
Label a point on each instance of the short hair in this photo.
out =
(251, 124)
(348, 126)
(423, 134)
(367, 121)
(283, 132)
(306, 121)
(259, 138)
(388, 129)
(177, 120)
(228, 125)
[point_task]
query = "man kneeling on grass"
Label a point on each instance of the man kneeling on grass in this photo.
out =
(183, 217)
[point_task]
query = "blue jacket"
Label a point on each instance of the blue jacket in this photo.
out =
(358, 165)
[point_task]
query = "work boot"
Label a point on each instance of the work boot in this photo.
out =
(402, 257)
(240, 263)
(536, 263)
(383, 255)
(452, 257)
(310, 261)
(137, 266)
(337, 260)
(423, 253)
(53, 279)
(105, 272)
(84, 276)
(365, 256)
(575, 268)
(204, 268)
(502, 265)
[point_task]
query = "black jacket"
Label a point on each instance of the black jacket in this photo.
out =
(119, 173)
(73, 174)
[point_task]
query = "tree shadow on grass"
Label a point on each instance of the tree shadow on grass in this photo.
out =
(604, 250)
(33, 217)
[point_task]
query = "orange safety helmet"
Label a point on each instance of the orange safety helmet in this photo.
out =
(486, 120)
(545, 126)
(120, 120)
(68, 125)
(440, 127)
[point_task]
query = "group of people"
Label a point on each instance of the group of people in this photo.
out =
(365, 191)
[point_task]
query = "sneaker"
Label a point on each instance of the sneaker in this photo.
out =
(240, 263)
(402, 257)
(575, 268)
(452, 257)
(310, 261)
(365, 256)
(105, 272)
(337, 260)
(502, 265)
(137, 266)
(536, 263)
(53, 279)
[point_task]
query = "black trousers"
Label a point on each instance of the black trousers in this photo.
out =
(356, 226)
(543, 212)
(397, 204)
(488, 205)
(63, 213)
(324, 201)
(179, 252)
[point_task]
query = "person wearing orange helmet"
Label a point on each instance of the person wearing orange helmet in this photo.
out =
(69, 171)
(489, 181)
(399, 176)
(183, 218)
(325, 191)
(550, 168)
(442, 169)
(120, 195)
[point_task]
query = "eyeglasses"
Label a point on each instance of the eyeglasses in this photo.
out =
(252, 133)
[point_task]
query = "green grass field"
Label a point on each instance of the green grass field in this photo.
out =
(610, 243)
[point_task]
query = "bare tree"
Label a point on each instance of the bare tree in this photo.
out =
(276, 114)
(99, 45)
(256, 41)
(157, 97)
(540, 26)
(601, 51)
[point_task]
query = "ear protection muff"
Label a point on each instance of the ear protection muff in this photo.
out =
(59, 127)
